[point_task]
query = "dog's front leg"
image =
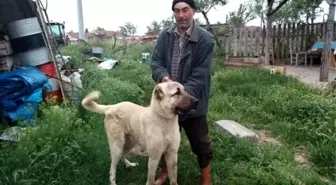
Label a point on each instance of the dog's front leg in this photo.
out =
(153, 163)
(171, 160)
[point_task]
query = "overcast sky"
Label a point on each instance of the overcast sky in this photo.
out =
(110, 14)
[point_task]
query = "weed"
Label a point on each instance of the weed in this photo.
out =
(68, 145)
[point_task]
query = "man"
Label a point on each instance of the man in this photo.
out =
(184, 53)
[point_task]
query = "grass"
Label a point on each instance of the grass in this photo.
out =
(69, 146)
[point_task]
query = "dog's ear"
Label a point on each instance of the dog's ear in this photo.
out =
(158, 93)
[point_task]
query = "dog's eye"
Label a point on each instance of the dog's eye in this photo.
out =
(178, 92)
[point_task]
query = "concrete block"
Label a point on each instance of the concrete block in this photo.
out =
(237, 130)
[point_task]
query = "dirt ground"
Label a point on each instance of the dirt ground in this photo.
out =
(308, 74)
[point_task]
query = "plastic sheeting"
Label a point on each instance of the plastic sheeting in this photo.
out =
(21, 91)
(320, 45)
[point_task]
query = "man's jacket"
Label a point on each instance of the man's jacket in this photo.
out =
(195, 65)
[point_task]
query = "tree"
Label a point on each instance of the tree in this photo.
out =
(128, 29)
(311, 9)
(100, 33)
(242, 16)
(290, 12)
(167, 22)
(154, 28)
(198, 21)
(295, 10)
(203, 7)
(99, 28)
(258, 8)
(86, 30)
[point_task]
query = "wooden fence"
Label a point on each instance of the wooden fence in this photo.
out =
(250, 41)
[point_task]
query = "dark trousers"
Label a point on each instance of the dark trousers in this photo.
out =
(196, 130)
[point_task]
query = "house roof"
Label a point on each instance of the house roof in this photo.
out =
(149, 37)
(102, 32)
(76, 34)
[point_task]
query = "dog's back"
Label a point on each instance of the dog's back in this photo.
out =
(121, 108)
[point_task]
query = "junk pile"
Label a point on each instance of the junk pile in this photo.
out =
(29, 71)
(96, 54)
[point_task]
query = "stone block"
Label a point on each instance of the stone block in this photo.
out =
(237, 130)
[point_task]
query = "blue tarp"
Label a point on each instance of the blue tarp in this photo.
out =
(21, 91)
(320, 45)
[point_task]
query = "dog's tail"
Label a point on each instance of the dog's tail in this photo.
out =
(89, 103)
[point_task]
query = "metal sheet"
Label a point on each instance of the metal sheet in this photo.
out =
(24, 27)
(34, 57)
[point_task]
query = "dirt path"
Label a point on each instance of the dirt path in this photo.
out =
(308, 75)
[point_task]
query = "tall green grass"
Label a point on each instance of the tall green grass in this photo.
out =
(69, 145)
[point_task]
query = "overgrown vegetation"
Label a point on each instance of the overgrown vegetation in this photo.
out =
(69, 145)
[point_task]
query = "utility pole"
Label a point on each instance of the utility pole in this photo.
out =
(80, 20)
(268, 40)
(324, 71)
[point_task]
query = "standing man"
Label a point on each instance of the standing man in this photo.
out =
(184, 53)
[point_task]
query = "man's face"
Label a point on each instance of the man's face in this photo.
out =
(184, 15)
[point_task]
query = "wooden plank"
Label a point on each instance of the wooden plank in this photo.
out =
(267, 46)
(251, 45)
(252, 42)
(241, 41)
(257, 42)
(246, 53)
(235, 41)
(309, 37)
(274, 42)
(263, 36)
(279, 42)
(228, 46)
(230, 42)
(321, 37)
(289, 39)
(284, 44)
(302, 37)
(297, 38)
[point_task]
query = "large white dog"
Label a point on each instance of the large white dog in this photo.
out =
(154, 129)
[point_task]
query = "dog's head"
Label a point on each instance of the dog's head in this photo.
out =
(173, 97)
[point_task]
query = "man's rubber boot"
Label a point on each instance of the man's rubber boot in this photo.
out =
(206, 175)
(164, 173)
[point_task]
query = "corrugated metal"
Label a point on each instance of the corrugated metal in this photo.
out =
(24, 27)
(34, 57)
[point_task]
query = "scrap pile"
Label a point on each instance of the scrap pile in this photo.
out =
(29, 72)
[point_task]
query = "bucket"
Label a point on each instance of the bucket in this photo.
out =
(145, 57)
(27, 42)
(97, 52)
(55, 93)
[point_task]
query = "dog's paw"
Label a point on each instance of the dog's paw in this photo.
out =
(131, 165)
